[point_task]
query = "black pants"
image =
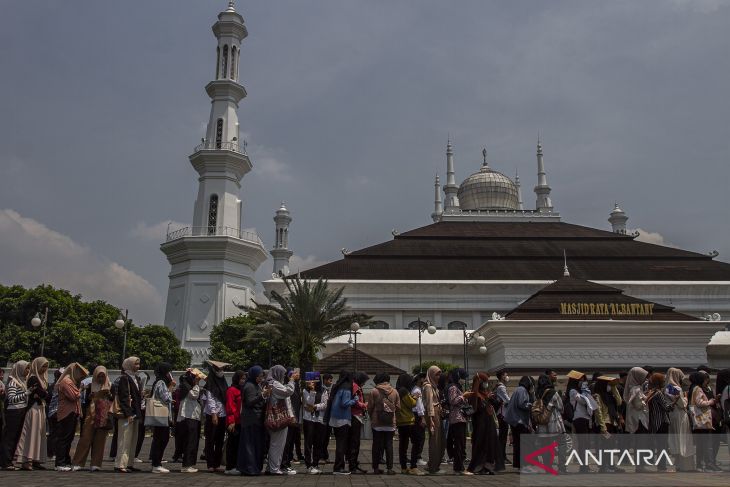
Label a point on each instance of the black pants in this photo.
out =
(251, 449)
(65, 432)
(353, 447)
(115, 437)
(140, 435)
(502, 448)
(517, 431)
(312, 440)
(51, 440)
(14, 419)
(190, 429)
(383, 442)
(292, 438)
(342, 440)
(177, 432)
(160, 438)
(418, 438)
(215, 437)
(324, 453)
(457, 438)
(703, 445)
(232, 447)
(405, 437)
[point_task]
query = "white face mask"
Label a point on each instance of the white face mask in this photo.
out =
(506, 379)
(219, 373)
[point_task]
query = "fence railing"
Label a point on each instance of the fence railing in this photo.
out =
(213, 232)
(212, 145)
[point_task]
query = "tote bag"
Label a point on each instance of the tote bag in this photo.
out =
(156, 413)
(278, 415)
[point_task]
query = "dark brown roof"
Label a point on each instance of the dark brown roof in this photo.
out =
(569, 298)
(519, 251)
(345, 360)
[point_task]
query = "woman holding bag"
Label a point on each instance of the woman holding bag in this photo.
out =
(31, 449)
(279, 393)
(161, 399)
(97, 423)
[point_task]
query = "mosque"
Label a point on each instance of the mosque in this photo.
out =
(490, 283)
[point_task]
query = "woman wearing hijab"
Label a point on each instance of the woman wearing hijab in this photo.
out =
(233, 421)
(69, 409)
(680, 431)
(279, 392)
(382, 406)
(161, 392)
(457, 421)
(555, 428)
(405, 420)
(701, 420)
(484, 440)
(637, 410)
(97, 423)
(517, 415)
(358, 419)
(251, 446)
(659, 406)
(722, 390)
(17, 405)
(31, 449)
(339, 417)
(214, 400)
(188, 418)
(130, 405)
(432, 407)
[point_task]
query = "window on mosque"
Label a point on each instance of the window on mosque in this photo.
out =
(213, 214)
(218, 133)
(225, 61)
(413, 325)
(379, 325)
(456, 325)
(233, 62)
(217, 62)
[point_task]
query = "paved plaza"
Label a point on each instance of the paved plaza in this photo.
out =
(107, 477)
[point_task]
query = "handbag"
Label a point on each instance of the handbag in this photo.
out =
(278, 415)
(103, 419)
(156, 413)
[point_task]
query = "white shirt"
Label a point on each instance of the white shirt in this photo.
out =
(190, 406)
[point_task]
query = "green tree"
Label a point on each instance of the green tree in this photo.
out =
(242, 342)
(445, 367)
(306, 316)
(77, 331)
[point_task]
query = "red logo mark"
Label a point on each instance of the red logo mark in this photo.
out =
(532, 460)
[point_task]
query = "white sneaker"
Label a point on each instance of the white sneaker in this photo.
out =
(233, 471)
(137, 460)
(314, 470)
(290, 471)
(95, 469)
(422, 463)
(189, 470)
(63, 469)
(160, 470)
(163, 461)
(75, 468)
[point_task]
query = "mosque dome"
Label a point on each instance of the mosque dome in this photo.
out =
(488, 190)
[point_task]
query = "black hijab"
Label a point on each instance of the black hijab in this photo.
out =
(344, 382)
(403, 385)
(723, 380)
(217, 386)
(543, 384)
(162, 372)
(526, 382)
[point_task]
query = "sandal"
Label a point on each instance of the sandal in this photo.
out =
(10, 468)
(121, 470)
(28, 467)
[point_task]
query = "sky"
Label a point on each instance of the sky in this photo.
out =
(349, 107)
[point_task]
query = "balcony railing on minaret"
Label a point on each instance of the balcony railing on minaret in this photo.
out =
(211, 231)
(233, 146)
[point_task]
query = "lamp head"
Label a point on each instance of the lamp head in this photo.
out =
(36, 321)
(431, 329)
(355, 326)
(119, 323)
(481, 340)
(483, 350)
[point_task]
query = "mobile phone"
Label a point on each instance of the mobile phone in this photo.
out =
(311, 376)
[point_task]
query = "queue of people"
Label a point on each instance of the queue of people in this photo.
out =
(261, 418)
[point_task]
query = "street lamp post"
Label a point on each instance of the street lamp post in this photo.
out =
(423, 326)
(36, 322)
(469, 339)
(354, 330)
(121, 323)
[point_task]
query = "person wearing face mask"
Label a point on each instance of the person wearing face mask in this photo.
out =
(130, 406)
(680, 431)
(637, 411)
(162, 393)
(457, 420)
(583, 404)
(702, 420)
(17, 399)
(213, 399)
(69, 409)
(432, 411)
(517, 415)
(502, 397)
(233, 421)
(484, 441)
(188, 418)
(251, 445)
(96, 424)
(31, 449)
(554, 427)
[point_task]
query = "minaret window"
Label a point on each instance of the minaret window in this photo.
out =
(218, 133)
(213, 214)
(217, 62)
(233, 62)
(378, 325)
(225, 61)
(456, 325)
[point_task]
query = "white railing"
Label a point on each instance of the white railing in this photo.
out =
(214, 232)
(231, 146)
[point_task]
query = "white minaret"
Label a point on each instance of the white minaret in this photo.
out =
(438, 209)
(281, 252)
(213, 262)
(542, 190)
(519, 191)
(450, 188)
(618, 220)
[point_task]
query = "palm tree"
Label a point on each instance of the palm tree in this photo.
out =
(307, 315)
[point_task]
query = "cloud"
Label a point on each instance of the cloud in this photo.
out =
(298, 263)
(700, 6)
(267, 162)
(32, 254)
(154, 232)
(652, 238)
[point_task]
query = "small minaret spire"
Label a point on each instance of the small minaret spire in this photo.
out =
(519, 191)
(484, 157)
(450, 188)
(281, 252)
(618, 220)
(542, 190)
(566, 273)
(437, 207)
(231, 6)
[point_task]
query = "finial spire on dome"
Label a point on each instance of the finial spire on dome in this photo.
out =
(231, 6)
(484, 157)
(566, 273)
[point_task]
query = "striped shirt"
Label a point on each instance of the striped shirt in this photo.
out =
(17, 396)
(659, 408)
